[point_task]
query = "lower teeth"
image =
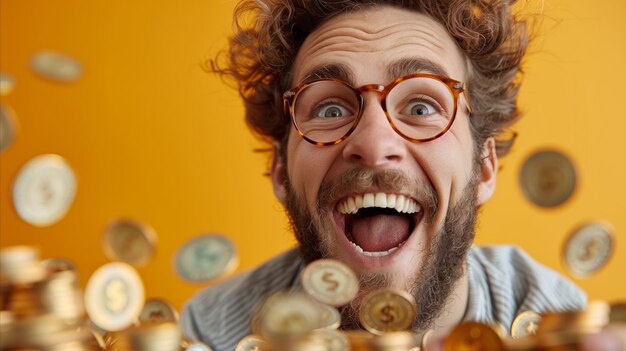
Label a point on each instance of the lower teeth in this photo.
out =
(375, 254)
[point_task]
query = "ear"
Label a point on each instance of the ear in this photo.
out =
(488, 171)
(277, 173)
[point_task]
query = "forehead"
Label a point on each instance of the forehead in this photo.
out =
(377, 44)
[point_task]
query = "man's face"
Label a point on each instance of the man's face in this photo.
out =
(435, 178)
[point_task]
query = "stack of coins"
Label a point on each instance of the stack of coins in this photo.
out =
(41, 303)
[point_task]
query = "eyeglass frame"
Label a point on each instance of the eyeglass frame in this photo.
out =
(454, 86)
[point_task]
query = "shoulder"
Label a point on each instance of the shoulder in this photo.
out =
(220, 315)
(509, 280)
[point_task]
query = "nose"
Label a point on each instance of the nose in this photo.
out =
(374, 143)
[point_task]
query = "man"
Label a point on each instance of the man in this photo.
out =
(383, 118)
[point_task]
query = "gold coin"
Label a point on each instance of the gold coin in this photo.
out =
(7, 84)
(330, 282)
(114, 296)
(333, 340)
(44, 190)
(525, 324)
(473, 336)
(288, 315)
(426, 339)
(251, 343)
(7, 127)
(129, 241)
(548, 178)
(58, 264)
(618, 313)
(394, 341)
(157, 310)
(387, 310)
(500, 329)
(588, 249)
(330, 318)
(56, 66)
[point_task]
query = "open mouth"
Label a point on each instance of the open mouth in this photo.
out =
(377, 224)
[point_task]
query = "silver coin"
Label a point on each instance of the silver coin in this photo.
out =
(205, 258)
(588, 248)
(7, 127)
(548, 178)
(114, 296)
(56, 66)
(7, 84)
(44, 190)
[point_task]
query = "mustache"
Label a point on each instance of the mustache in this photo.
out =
(389, 181)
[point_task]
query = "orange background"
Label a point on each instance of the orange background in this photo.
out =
(152, 137)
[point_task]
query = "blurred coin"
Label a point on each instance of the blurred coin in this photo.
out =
(198, 346)
(251, 343)
(129, 241)
(588, 249)
(330, 282)
(7, 127)
(7, 83)
(548, 178)
(525, 324)
(403, 340)
(288, 315)
(58, 264)
(330, 318)
(156, 310)
(332, 339)
(56, 66)
(205, 257)
(114, 296)
(44, 190)
(21, 265)
(618, 313)
(473, 336)
(387, 310)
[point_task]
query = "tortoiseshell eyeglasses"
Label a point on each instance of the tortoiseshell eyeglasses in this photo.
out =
(420, 107)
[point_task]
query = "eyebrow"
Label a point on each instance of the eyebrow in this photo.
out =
(398, 68)
(407, 66)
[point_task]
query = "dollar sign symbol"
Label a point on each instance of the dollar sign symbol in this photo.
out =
(388, 314)
(115, 296)
(589, 251)
(333, 284)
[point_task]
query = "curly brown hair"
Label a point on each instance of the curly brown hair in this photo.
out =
(269, 33)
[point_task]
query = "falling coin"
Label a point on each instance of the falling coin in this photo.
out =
(332, 339)
(525, 324)
(588, 249)
(330, 318)
(56, 66)
(129, 241)
(114, 296)
(387, 310)
(44, 190)
(330, 282)
(205, 257)
(156, 310)
(251, 343)
(473, 336)
(548, 178)
(7, 84)
(288, 315)
(199, 346)
(7, 127)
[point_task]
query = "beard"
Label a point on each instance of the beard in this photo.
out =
(444, 258)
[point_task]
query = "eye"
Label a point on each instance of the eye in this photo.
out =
(332, 111)
(420, 108)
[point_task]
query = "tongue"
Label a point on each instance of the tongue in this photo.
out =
(380, 232)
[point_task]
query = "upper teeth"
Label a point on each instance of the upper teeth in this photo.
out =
(401, 203)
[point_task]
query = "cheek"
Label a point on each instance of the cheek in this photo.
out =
(307, 166)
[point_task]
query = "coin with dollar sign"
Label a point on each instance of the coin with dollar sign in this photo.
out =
(44, 189)
(56, 66)
(330, 282)
(129, 241)
(387, 310)
(588, 248)
(114, 296)
(548, 178)
(473, 336)
(288, 315)
(157, 310)
(525, 324)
